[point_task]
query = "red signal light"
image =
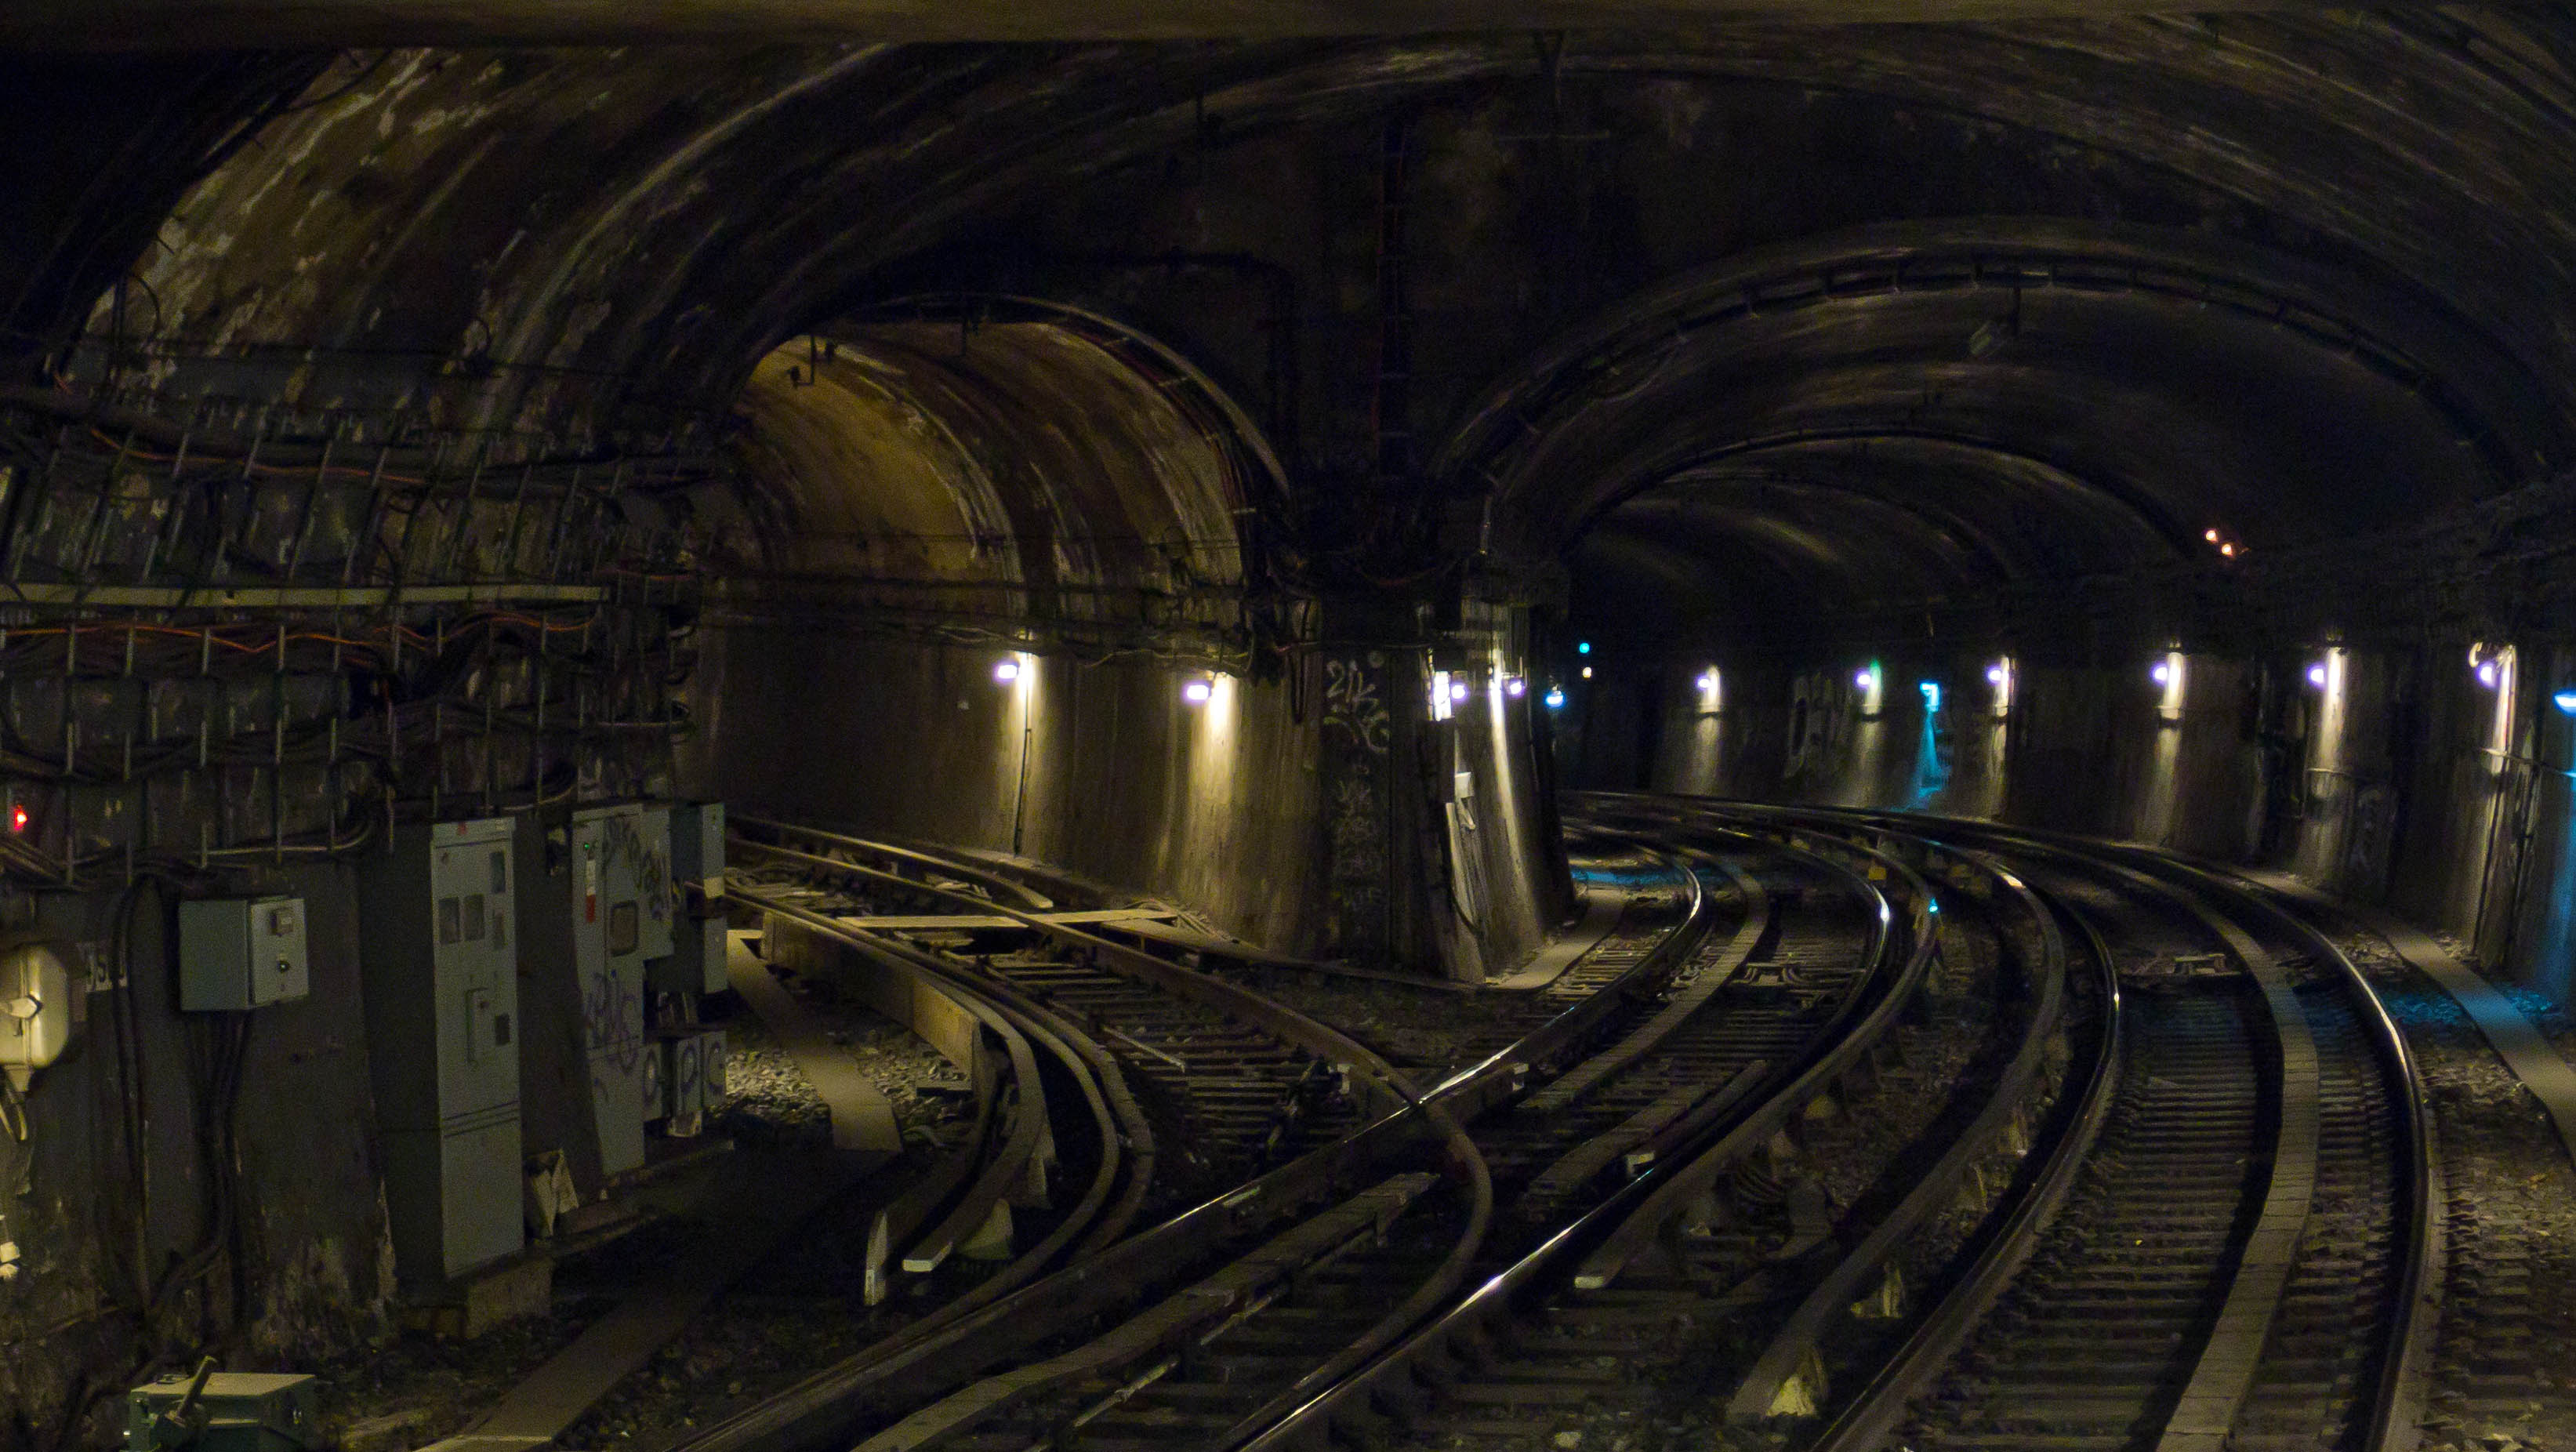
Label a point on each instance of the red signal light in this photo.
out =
(17, 818)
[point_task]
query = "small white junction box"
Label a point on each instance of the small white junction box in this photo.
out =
(237, 953)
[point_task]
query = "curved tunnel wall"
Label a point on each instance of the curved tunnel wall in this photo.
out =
(2415, 778)
(939, 500)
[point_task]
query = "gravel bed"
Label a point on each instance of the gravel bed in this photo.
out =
(798, 1312)
(1431, 1032)
(770, 1102)
(2504, 1365)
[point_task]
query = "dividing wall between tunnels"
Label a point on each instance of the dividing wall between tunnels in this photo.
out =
(2434, 781)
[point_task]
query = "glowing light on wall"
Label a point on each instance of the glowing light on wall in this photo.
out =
(1587, 673)
(2000, 675)
(2317, 675)
(2565, 701)
(1197, 690)
(1871, 682)
(1712, 687)
(1515, 687)
(17, 818)
(1555, 698)
(1583, 647)
(1457, 690)
(1931, 694)
(2489, 674)
(2168, 673)
(1441, 700)
(1006, 671)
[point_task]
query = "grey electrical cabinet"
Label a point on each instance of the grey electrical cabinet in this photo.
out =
(698, 846)
(697, 963)
(595, 904)
(440, 954)
(240, 953)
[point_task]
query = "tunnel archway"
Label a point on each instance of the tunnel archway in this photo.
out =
(1926, 412)
(1007, 469)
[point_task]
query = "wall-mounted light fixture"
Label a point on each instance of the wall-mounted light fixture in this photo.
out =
(1515, 687)
(1712, 688)
(2168, 674)
(1555, 698)
(1871, 682)
(1196, 690)
(2001, 675)
(1007, 670)
(2565, 701)
(2317, 674)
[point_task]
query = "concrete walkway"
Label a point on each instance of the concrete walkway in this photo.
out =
(2516, 1039)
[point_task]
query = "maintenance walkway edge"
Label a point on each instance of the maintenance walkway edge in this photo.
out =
(2526, 1051)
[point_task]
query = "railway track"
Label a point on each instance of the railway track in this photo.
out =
(1618, 1076)
(2245, 1257)
(2151, 1175)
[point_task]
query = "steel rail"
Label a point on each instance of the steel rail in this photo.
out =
(924, 1362)
(1464, 1331)
(1008, 1164)
(1798, 1338)
(2085, 1104)
(1028, 897)
(2224, 1371)
(1857, 1028)
(1126, 1142)
(2404, 1339)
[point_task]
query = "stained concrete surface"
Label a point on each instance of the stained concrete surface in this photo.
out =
(187, 24)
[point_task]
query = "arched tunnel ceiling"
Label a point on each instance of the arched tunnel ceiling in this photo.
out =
(134, 24)
(2311, 273)
(1993, 403)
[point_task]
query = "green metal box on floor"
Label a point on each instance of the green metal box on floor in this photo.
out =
(236, 1411)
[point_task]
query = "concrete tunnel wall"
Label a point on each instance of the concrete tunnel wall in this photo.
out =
(1027, 496)
(1224, 807)
(2404, 780)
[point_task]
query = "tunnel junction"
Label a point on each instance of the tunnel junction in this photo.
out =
(1143, 515)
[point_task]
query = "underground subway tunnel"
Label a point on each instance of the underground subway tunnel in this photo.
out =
(1625, 727)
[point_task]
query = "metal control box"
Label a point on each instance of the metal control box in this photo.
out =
(698, 846)
(595, 904)
(236, 1411)
(693, 1071)
(440, 952)
(697, 963)
(240, 953)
